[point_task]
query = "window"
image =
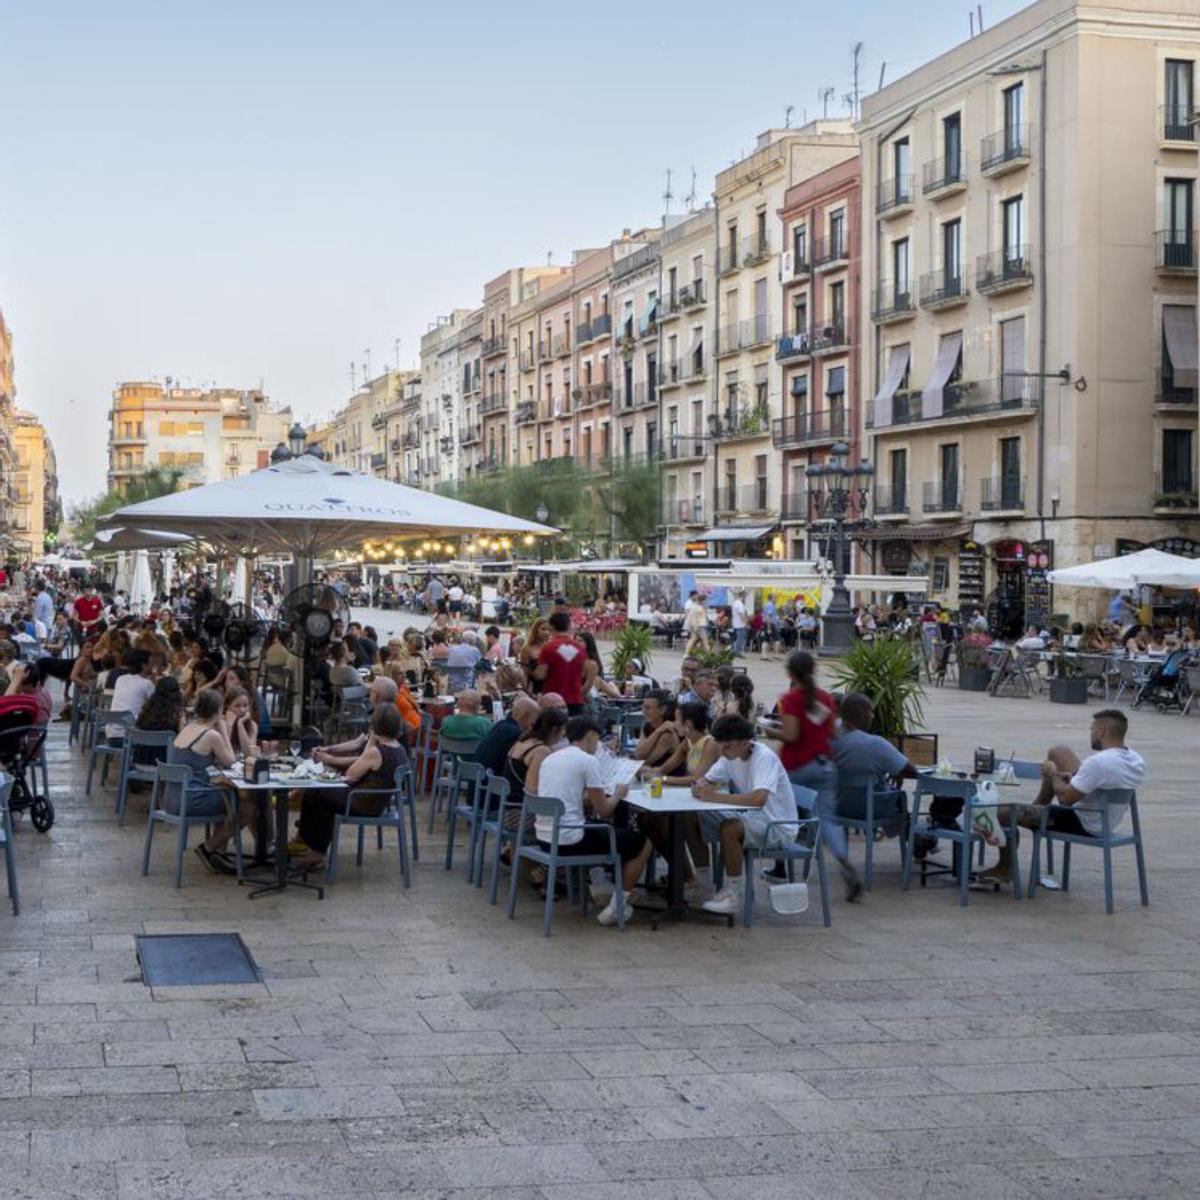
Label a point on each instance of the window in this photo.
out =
(760, 481)
(837, 234)
(835, 393)
(1010, 472)
(651, 378)
(798, 390)
(1012, 361)
(837, 305)
(672, 289)
(760, 231)
(835, 381)
(698, 271)
(901, 166)
(948, 461)
(952, 257)
(1178, 92)
(760, 387)
(1014, 119)
(733, 246)
(730, 497)
(799, 246)
(1177, 477)
(1012, 230)
(900, 280)
(952, 147)
(731, 394)
(1177, 216)
(800, 315)
(898, 481)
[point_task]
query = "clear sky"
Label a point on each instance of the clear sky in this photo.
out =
(251, 191)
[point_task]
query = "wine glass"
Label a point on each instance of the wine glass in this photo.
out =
(295, 746)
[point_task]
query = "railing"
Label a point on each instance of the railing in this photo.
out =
(1002, 269)
(942, 286)
(561, 345)
(396, 445)
(1178, 122)
(755, 249)
(1005, 493)
(526, 412)
(676, 446)
(891, 300)
(528, 360)
(1008, 145)
(601, 325)
(827, 338)
(754, 497)
(1175, 489)
(801, 264)
(794, 506)
(942, 496)
(686, 512)
(469, 435)
(378, 461)
(893, 193)
(891, 500)
(493, 345)
(1170, 393)
(754, 331)
(694, 366)
(1175, 250)
(792, 345)
(727, 258)
(806, 428)
(545, 351)
(595, 393)
(412, 439)
(943, 173)
(743, 424)
(1015, 389)
(489, 465)
(968, 398)
(692, 295)
(725, 500)
(640, 395)
(496, 402)
(583, 333)
(827, 251)
(431, 466)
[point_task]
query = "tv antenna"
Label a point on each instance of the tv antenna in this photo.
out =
(857, 55)
(787, 116)
(825, 94)
(366, 365)
(396, 347)
(690, 198)
(353, 382)
(668, 195)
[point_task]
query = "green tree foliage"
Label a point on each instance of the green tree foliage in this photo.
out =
(149, 485)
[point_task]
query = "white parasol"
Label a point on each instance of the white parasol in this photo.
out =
(240, 581)
(1128, 571)
(121, 582)
(118, 537)
(141, 589)
(308, 507)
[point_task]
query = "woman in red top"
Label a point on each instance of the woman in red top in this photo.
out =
(806, 727)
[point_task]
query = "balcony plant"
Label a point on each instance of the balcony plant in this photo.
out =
(974, 672)
(1067, 685)
(1176, 499)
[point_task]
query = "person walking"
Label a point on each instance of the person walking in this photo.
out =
(695, 623)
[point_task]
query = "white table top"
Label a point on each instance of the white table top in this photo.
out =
(275, 782)
(678, 800)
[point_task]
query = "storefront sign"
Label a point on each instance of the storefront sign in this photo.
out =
(696, 550)
(895, 556)
(1184, 547)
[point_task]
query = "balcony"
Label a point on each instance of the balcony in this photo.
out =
(725, 501)
(943, 288)
(755, 331)
(1175, 252)
(682, 447)
(754, 497)
(526, 412)
(469, 435)
(1005, 150)
(496, 402)
(756, 250)
(583, 334)
(942, 497)
(809, 428)
(794, 506)
(793, 346)
(378, 461)
(892, 302)
(727, 259)
(396, 445)
(1170, 396)
(1177, 123)
(684, 300)
(492, 346)
(684, 370)
(685, 512)
(561, 345)
(127, 439)
(894, 196)
(601, 326)
(527, 360)
(1003, 270)
(378, 421)
(1003, 494)
(795, 266)
(1003, 399)
(640, 395)
(411, 402)
(830, 253)
(1175, 491)
(746, 423)
(891, 500)
(489, 465)
(431, 466)
(943, 177)
(412, 439)
(829, 339)
(545, 352)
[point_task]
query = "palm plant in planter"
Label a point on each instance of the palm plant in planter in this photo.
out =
(974, 673)
(633, 642)
(883, 671)
(1067, 685)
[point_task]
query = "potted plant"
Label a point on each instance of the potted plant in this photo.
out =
(883, 671)
(974, 673)
(633, 641)
(1067, 685)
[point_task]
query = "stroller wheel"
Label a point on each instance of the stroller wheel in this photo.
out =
(41, 813)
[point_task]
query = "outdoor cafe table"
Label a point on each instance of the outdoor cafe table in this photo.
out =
(674, 803)
(278, 786)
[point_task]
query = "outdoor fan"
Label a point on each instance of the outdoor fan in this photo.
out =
(309, 613)
(244, 632)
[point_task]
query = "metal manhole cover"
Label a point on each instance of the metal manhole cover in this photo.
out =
(171, 959)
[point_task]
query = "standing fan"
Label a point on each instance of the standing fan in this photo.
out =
(244, 631)
(308, 613)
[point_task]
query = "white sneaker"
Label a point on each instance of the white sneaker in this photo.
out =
(601, 890)
(725, 903)
(608, 914)
(698, 892)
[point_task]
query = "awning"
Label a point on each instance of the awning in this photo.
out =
(649, 317)
(935, 390)
(931, 532)
(697, 338)
(799, 385)
(1179, 327)
(736, 533)
(897, 365)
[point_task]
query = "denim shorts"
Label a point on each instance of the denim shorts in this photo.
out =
(754, 822)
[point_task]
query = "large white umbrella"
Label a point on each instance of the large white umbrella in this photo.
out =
(308, 507)
(141, 589)
(1128, 571)
(241, 581)
(117, 537)
(121, 582)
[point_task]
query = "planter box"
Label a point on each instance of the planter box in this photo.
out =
(1069, 691)
(974, 679)
(921, 749)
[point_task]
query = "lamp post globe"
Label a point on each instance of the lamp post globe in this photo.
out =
(296, 439)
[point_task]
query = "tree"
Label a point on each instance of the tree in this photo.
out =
(631, 497)
(149, 485)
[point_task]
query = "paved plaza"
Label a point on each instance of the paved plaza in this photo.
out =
(419, 1044)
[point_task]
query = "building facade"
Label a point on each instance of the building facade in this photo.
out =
(1032, 301)
(36, 509)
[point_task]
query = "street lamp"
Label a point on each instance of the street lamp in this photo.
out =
(543, 515)
(838, 495)
(296, 439)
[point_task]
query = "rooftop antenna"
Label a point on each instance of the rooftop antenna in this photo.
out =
(396, 347)
(549, 258)
(979, 10)
(787, 116)
(690, 198)
(971, 21)
(882, 69)
(825, 94)
(353, 382)
(857, 53)
(366, 365)
(668, 195)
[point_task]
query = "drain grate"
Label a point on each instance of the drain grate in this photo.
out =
(175, 959)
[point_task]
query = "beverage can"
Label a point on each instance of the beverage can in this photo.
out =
(656, 787)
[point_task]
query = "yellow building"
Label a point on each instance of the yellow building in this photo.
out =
(8, 393)
(36, 511)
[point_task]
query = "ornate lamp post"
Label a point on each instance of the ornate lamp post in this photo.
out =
(839, 495)
(543, 515)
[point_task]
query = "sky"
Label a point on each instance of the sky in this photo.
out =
(259, 193)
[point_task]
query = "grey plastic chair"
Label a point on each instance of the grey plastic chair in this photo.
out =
(1106, 842)
(6, 837)
(865, 806)
(545, 806)
(168, 775)
(472, 779)
(393, 816)
(498, 805)
(100, 751)
(445, 780)
(807, 851)
(159, 739)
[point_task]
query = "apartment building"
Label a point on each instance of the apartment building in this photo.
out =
(207, 433)
(636, 288)
(1032, 266)
(688, 273)
(590, 411)
(8, 395)
(819, 273)
(446, 403)
(554, 320)
(36, 509)
(747, 320)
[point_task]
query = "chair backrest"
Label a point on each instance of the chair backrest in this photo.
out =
(544, 806)
(471, 772)
(1193, 678)
(1026, 768)
(497, 787)
(936, 785)
(458, 746)
(150, 737)
(353, 695)
(806, 797)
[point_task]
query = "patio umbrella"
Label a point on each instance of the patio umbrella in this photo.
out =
(118, 537)
(308, 508)
(141, 589)
(121, 582)
(1128, 571)
(240, 582)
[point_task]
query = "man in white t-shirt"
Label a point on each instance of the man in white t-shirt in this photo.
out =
(1069, 786)
(455, 596)
(573, 776)
(739, 623)
(755, 777)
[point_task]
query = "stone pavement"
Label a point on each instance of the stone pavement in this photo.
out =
(421, 1045)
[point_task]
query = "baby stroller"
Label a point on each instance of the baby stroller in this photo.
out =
(1165, 686)
(20, 745)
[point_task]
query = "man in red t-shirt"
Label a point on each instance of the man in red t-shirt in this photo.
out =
(561, 662)
(88, 608)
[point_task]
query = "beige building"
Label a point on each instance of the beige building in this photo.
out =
(8, 396)
(746, 318)
(446, 403)
(208, 433)
(636, 312)
(1030, 287)
(37, 511)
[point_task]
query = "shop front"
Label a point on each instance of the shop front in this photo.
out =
(1019, 595)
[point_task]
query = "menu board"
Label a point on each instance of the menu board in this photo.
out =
(970, 575)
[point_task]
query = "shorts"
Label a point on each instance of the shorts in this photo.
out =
(595, 841)
(755, 835)
(1064, 819)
